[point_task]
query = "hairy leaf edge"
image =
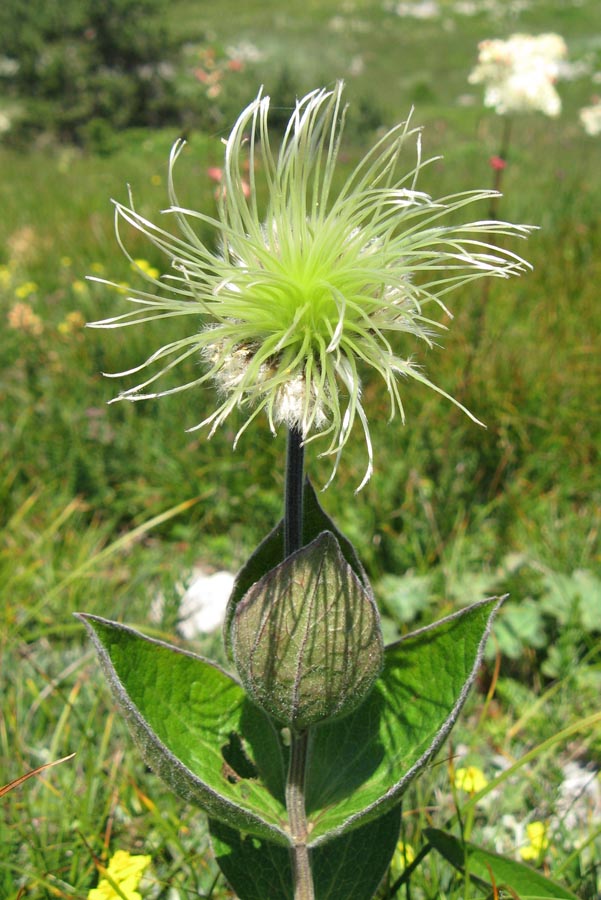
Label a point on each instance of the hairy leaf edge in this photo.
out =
(160, 759)
(384, 803)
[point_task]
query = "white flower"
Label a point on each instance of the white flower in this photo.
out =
(579, 802)
(5, 121)
(519, 74)
(425, 9)
(590, 117)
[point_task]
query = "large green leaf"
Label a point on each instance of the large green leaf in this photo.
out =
(200, 732)
(256, 869)
(352, 866)
(360, 766)
(348, 868)
(487, 867)
(197, 729)
(270, 553)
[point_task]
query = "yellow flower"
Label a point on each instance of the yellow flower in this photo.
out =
(144, 266)
(66, 262)
(73, 321)
(5, 276)
(26, 290)
(470, 779)
(97, 268)
(156, 180)
(79, 287)
(537, 841)
(404, 855)
(124, 871)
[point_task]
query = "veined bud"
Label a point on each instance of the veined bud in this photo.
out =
(306, 637)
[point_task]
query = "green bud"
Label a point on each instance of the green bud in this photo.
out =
(306, 637)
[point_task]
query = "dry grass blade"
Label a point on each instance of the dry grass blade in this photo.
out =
(13, 784)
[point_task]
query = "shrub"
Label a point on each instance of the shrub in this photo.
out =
(72, 61)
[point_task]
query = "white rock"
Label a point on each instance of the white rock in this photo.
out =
(202, 609)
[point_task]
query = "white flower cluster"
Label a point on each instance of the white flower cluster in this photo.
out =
(426, 9)
(590, 117)
(519, 74)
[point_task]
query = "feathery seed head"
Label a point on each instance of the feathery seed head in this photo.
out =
(310, 281)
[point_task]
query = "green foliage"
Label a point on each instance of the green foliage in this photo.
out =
(197, 729)
(415, 703)
(482, 866)
(452, 504)
(84, 68)
(348, 868)
(200, 733)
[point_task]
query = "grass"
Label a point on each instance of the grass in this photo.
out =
(103, 507)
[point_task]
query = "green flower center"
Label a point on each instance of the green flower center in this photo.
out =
(307, 295)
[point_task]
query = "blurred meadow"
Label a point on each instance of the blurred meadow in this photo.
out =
(105, 508)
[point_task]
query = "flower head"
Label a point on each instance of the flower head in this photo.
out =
(470, 779)
(72, 322)
(25, 290)
(590, 117)
(538, 841)
(311, 283)
(124, 871)
(142, 265)
(519, 74)
(21, 317)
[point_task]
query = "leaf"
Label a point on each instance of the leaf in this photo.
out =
(360, 766)
(405, 597)
(485, 866)
(197, 729)
(519, 625)
(200, 732)
(270, 553)
(317, 520)
(255, 868)
(306, 637)
(573, 599)
(348, 868)
(352, 866)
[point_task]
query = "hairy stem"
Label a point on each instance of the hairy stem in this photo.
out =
(295, 805)
(295, 784)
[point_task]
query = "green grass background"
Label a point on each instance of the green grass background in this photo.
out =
(104, 507)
